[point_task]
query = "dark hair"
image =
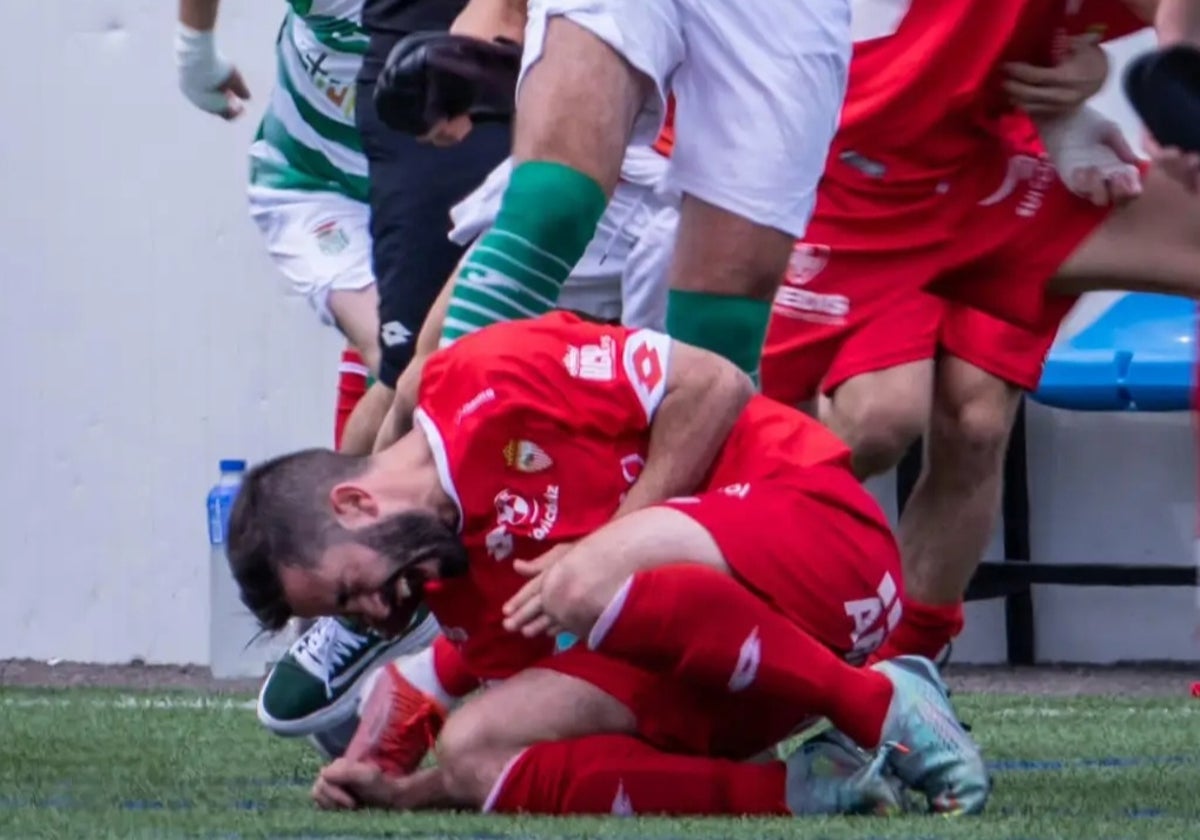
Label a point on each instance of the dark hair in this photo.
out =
(282, 518)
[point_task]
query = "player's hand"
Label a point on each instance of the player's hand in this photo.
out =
(523, 612)
(1109, 182)
(448, 132)
(1183, 166)
(210, 81)
(1092, 157)
(1042, 91)
(346, 785)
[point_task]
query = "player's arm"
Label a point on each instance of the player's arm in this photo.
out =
(209, 80)
(703, 398)
(399, 417)
(492, 19)
(1177, 21)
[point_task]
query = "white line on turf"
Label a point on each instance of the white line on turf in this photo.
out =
(127, 701)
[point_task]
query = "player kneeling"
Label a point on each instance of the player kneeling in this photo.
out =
(716, 623)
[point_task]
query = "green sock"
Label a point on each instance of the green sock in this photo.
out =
(733, 327)
(547, 218)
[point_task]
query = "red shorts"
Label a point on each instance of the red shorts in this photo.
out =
(852, 304)
(818, 549)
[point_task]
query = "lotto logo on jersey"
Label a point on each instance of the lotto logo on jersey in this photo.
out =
(647, 354)
(499, 543)
(526, 456)
(593, 362)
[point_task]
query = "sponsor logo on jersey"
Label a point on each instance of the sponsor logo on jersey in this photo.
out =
(1036, 173)
(593, 362)
(808, 260)
(515, 512)
(526, 456)
(550, 513)
(474, 404)
(331, 238)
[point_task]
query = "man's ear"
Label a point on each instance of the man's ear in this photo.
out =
(352, 505)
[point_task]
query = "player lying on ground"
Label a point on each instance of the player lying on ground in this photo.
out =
(760, 85)
(974, 212)
(715, 624)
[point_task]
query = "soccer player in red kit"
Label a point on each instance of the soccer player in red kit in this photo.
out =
(936, 180)
(715, 624)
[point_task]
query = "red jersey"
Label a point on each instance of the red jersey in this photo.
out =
(538, 428)
(925, 77)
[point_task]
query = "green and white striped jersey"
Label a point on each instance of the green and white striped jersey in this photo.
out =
(307, 140)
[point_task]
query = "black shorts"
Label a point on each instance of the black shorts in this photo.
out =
(412, 188)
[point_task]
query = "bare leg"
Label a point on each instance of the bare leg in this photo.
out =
(1149, 245)
(577, 105)
(880, 414)
(948, 521)
(537, 705)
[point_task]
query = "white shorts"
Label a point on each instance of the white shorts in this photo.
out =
(321, 242)
(623, 273)
(758, 84)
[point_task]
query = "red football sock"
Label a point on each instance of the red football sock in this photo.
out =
(451, 670)
(352, 384)
(703, 627)
(924, 630)
(618, 774)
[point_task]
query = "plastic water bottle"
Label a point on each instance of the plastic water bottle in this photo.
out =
(231, 626)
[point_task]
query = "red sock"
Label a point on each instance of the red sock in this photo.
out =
(352, 384)
(618, 774)
(704, 628)
(450, 669)
(924, 630)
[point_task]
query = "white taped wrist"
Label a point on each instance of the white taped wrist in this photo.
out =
(202, 68)
(1078, 141)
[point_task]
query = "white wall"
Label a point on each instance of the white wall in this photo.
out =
(146, 336)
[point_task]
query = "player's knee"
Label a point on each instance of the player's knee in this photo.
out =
(572, 598)
(471, 756)
(878, 430)
(970, 428)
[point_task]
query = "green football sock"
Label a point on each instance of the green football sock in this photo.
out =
(547, 218)
(733, 327)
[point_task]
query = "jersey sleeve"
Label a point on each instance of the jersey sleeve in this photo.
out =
(582, 375)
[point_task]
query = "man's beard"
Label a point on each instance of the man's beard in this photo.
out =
(417, 545)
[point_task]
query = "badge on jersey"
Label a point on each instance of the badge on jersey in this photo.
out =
(526, 456)
(331, 238)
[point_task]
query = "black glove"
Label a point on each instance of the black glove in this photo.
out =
(1164, 88)
(432, 76)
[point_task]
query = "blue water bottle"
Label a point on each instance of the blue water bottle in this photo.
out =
(230, 625)
(220, 502)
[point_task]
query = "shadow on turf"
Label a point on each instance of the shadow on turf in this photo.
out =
(64, 801)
